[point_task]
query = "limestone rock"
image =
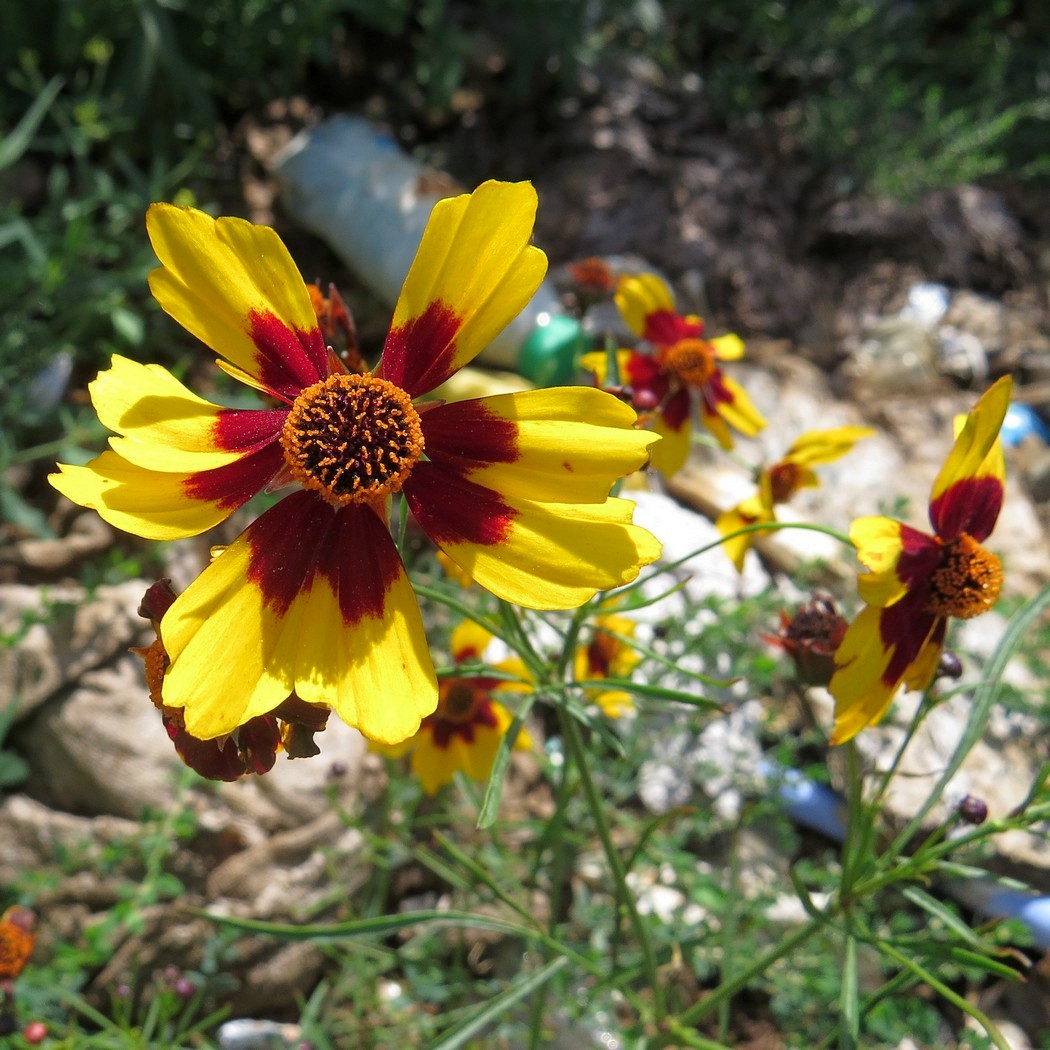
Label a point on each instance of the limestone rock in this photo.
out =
(60, 633)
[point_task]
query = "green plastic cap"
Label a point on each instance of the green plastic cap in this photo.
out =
(548, 356)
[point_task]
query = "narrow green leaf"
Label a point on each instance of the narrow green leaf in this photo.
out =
(494, 789)
(497, 1007)
(985, 962)
(378, 927)
(939, 910)
(17, 142)
(658, 692)
(849, 997)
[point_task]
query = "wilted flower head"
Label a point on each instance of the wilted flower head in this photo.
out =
(810, 637)
(17, 938)
(252, 747)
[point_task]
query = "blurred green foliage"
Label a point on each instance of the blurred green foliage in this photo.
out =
(895, 96)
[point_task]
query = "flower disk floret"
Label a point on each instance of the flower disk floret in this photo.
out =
(312, 598)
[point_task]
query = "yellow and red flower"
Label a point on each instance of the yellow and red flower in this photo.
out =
(312, 598)
(779, 482)
(918, 581)
(607, 655)
(465, 732)
(684, 367)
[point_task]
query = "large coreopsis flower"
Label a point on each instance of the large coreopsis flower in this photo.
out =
(684, 367)
(780, 481)
(918, 581)
(465, 732)
(312, 598)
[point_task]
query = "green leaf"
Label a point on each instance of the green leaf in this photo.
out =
(987, 963)
(497, 1007)
(658, 692)
(377, 928)
(849, 997)
(17, 142)
(494, 789)
(932, 906)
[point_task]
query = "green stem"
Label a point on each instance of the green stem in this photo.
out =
(576, 753)
(943, 990)
(49, 449)
(742, 978)
(761, 526)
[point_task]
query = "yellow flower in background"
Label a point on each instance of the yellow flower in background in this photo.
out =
(918, 581)
(683, 369)
(779, 482)
(465, 732)
(607, 655)
(312, 598)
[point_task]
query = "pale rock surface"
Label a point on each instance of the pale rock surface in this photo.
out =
(60, 633)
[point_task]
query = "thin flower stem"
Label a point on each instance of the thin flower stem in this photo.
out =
(762, 526)
(984, 696)
(49, 449)
(943, 990)
(913, 727)
(576, 752)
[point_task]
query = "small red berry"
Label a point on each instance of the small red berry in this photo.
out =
(35, 1032)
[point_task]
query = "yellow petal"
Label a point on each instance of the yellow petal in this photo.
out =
(728, 347)
(514, 665)
(739, 412)
(861, 697)
(434, 766)
(749, 512)
(263, 620)
(639, 295)
(473, 273)
(558, 556)
(669, 455)
(598, 362)
(165, 426)
(566, 444)
(147, 503)
(616, 704)
(977, 451)
(824, 446)
(923, 669)
(234, 286)
(469, 641)
(879, 547)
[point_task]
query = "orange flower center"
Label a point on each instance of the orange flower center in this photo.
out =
(784, 481)
(458, 703)
(352, 439)
(692, 360)
(968, 580)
